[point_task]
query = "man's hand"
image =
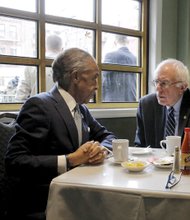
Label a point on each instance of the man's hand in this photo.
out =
(91, 152)
(97, 153)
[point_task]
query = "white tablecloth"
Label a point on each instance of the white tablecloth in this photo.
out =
(110, 192)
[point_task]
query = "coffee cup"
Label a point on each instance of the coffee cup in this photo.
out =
(120, 149)
(170, 143)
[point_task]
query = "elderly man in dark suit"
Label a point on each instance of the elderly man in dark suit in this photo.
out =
(47, 141)
(171, 82)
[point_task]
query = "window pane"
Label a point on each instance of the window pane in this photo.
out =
(120, 49)
(28, 84)
(76, 9)
(120, 86)
(2, 30)
(54, 45)
(19, 38)
(72, 37)
(17, 82)
(49, 78)
(122, 13)
(29, 5)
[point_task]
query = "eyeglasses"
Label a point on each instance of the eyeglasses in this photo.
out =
(172, 180)
(165, 83)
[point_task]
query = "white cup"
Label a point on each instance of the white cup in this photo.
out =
(120, 149)
(171, 142)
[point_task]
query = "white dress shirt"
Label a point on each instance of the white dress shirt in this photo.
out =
(70, 101)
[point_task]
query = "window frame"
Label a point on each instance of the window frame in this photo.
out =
(42, 62)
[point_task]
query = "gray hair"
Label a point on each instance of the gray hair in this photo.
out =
(68, 62)
(181, 71)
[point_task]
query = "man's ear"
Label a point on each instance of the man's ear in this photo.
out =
(183, 87)
(75, 77)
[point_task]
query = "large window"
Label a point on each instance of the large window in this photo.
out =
(33, 32)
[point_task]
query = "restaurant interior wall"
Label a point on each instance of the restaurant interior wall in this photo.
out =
(169, 33)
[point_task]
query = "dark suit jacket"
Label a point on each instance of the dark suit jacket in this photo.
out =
(45, 128)
(119, 86)
(151, 120)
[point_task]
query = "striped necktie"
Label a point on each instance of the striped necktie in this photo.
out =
(78, 122)
(170, 124)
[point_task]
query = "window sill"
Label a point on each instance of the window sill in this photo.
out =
(111, 113)
(114, 113)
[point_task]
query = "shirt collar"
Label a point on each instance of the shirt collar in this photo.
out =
(177, 105)
(70, 101)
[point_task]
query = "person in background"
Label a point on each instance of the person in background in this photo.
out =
(171, 83)
(28, 84)
(46, 142)
(12, 85)
(119, 86)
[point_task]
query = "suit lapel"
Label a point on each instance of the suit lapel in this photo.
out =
(160, 122)
(66, 115)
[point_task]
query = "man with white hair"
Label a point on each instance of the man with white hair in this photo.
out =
(171, 83)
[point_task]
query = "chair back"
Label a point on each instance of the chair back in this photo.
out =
(7, 129)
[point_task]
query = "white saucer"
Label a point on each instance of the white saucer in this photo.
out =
(140, 150)
(111, 159)
(164, 162)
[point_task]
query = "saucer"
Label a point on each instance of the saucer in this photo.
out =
(164, 162)
(140, 150)
(111, 159)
